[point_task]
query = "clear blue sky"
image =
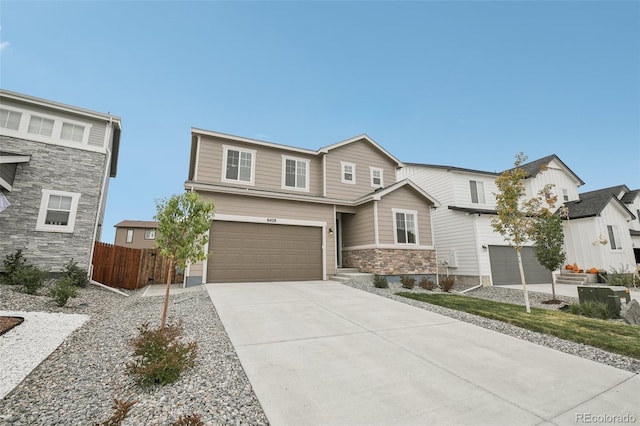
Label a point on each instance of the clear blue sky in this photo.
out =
(466, 84)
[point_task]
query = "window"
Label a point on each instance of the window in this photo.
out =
(295, 173)
(129, 235)
(614, 237)
(405, 226)
(565, 194)
(638, 214)
(40, 126)
(57, 211)
(477, 192)
(239, 165)
(376, 177)
(348, 172)
(10, 119)
(72, 132)
(150, 234)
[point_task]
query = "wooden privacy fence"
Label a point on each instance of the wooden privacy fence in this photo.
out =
(129, 268)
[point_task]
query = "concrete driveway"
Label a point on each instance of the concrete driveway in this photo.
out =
(322, 353)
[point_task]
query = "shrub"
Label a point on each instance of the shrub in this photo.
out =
(446, 284)
(77, 276)
(407, 282)
(191, 420)
(30, 279)
(427, 284)
(594, 309)
(63, 290)
(13, 263)
(121, 409)
(574, 308)
(160, 357)
(380, 281)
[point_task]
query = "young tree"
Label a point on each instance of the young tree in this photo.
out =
(513, 222)
(547, 233)
(183, 224)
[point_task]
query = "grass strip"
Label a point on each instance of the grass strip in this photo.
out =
(616, 337)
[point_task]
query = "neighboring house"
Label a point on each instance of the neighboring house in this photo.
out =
(600, 229)
(286, 213)
(55, 165)
(136, 234)
(631, 199)
(467, 246)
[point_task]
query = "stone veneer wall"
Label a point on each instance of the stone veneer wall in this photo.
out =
(56, 168)
(391, 261)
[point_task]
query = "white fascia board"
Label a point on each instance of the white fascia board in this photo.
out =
(197, 131)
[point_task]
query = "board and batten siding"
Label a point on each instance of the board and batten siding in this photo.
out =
(556, 176)
(358, 229)
(404, 199)
(462, 190)
(363, 155)
(436, 182)
(268, 165)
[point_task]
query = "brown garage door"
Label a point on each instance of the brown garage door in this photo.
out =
(505, 270)
(264, 252)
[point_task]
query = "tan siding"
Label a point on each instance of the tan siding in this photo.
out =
(363, 155)
(268, 166)
(138, 238)
(407, 199)
(359, 229)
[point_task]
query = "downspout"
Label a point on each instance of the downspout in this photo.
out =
(107, 137)
(475, 238)
(324, 175)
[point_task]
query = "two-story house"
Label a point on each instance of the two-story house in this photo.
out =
(136, 234)
(287, 213)
(467, 246)
(55, 165)
(631, 199)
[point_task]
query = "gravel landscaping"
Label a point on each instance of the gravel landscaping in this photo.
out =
(516, 297)
(77, 383)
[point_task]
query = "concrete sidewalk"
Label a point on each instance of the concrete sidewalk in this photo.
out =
(567, 290)
(322, 353)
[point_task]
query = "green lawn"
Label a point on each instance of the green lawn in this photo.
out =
(623, 339)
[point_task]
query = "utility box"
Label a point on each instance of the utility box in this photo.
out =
(609, 295)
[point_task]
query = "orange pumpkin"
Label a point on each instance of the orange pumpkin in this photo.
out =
(569, 268)
(575, 267)
(593, 270)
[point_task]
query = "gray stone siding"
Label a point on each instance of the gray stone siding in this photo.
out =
(55, 168)
(391, 261)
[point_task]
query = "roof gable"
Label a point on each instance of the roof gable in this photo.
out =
(364, 138)
(592, 203)
(381, 192)
(535, 167)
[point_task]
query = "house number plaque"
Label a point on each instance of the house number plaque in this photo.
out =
(271, 220)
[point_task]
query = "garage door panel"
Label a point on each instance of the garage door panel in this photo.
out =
(504, 266)
(264, 252)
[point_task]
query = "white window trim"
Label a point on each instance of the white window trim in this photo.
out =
(284, 173)
(42, 214)
(344, 164)
(395, 226)
(481, 200)
(614, 238)
(149, 234)
(129, 236)
(377, 169)
(54, 139)
(253, 152)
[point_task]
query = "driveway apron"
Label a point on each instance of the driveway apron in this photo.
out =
(322, 353)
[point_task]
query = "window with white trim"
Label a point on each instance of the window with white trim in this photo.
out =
(638, 214)
(239, 165)
(565, 194)
(40, 126)
(614, 237)
(150, 234)
(477, 191)
(72, 132)
(376, 177)
(295, 173)
(405, 225)
(129, 235)
(57, 211)
(10, 119)
(348, 172)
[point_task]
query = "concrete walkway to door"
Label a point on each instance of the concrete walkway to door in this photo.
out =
(322, 353)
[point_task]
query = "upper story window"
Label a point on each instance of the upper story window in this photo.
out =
(376, 177)
(239, 165)
(348, 172)
(638, 214)
(10, 119)
(565, 194)
(129, 235)
(295, 173)
(404, 222)
(614, 237)
(150, 234)
(57, 211)
(40, 126)
(477, 192)
(72, 132)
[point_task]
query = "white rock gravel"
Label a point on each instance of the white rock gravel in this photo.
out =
(516, 297)
(77, 383)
